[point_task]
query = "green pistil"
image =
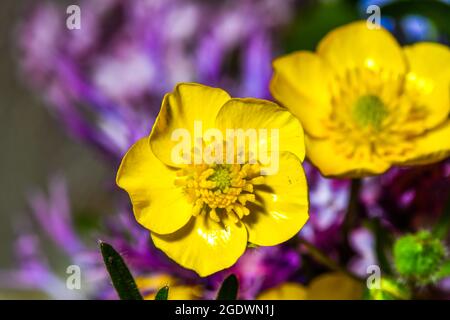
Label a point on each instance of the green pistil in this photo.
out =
(221, 177)
(369, 110)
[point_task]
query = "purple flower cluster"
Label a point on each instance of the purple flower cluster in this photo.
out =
(105, 82)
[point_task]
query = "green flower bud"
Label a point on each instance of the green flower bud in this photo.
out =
(419, 256)
(389, 289)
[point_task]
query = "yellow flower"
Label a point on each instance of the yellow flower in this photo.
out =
(285, 291)
(329, 286)
(203, 214)
(150, 285)
(366, 103)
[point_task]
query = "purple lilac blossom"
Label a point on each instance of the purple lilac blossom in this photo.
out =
(105, 82)
(54, 215)
(409, 198)
(33, 272)
(328, 205)
(363, 243)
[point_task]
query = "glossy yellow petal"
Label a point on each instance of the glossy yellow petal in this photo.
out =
(286, 291)
(301, 83)
(356, 46)
(428, 79)
(157, 203)
(332, 163)
(204, 245)
(431, 147)
(260, 114)
(188, 103)
(334, 286)
(282, 204)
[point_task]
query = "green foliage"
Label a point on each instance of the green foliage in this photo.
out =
(418, 256)
(315, 21)
(162, 294)
(120, 275)
(444, 271)
(389, 290)
(229, 289)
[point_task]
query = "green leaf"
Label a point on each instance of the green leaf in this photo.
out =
(120, 275)
(444, 272)
(436, 11)
(229, 289)
(163, 293)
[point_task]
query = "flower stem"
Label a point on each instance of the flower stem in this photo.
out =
(352, 208)
(322, 258)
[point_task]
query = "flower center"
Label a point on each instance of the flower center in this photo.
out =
(220, 189)
(369, 110)
(221, 177)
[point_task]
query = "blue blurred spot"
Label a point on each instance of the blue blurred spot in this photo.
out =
(418, 28)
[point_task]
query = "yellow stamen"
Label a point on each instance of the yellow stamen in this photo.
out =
(220, 188)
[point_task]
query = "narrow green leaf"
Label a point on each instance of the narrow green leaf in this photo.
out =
(444, 272)
(229, 289)
(120, 275)
(163, 293)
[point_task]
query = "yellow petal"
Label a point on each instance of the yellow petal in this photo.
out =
(356, 46)
(301, 84)
(158, 204)
(188, 103)
(429, 79)
(154, 282)
(334, 286)
(431, 147)
(332, 163)
(179, 292)
(203, 245)
(286, 291)
(260, 114)
(282, 206)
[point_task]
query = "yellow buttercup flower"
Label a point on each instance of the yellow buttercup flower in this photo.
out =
(201, 209)
(329, 286)
(366, 103)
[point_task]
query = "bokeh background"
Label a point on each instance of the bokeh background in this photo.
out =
(128, 56)
(34, 147)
